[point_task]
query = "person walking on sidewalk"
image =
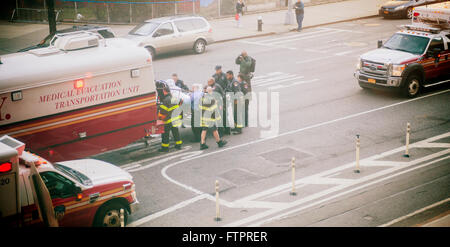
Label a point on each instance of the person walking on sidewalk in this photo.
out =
(210, 118)
(239, 11)
(299, 13)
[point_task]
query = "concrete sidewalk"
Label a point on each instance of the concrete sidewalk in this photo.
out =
(14, 36)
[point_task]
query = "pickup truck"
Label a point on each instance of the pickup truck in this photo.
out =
(415, 57)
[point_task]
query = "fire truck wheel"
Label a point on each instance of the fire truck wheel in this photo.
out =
(109, 215)
(412, 86)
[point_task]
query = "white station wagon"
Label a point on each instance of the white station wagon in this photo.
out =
(169, 34)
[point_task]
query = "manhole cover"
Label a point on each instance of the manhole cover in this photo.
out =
(240, 176)
(284, 155)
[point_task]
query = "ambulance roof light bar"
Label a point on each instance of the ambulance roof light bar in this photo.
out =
(423, 28)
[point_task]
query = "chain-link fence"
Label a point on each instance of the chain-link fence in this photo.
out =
(136, 11)
(129, 11)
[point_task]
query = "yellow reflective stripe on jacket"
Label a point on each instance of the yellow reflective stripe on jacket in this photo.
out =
(172, 119)
(211, 119)
(179, 142)
(169, 109)
(208, 108)
(165, 145)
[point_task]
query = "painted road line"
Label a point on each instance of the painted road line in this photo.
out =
(291, 36)
(138, 166)
(301, 38)
(198, 156)
(295, 204)
(313, 59)
(415, 212)
(247, 202)
(338, 29)
(166, 211)
(284, 188)
(279, 81)
(267, 45)
(281, 77)
(293, 84)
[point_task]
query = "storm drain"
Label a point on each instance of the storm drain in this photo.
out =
(284, 155)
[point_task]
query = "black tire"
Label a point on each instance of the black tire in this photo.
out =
(409, 13)
(199, 46)
(109, 215)
(412, 86)
(151, 50)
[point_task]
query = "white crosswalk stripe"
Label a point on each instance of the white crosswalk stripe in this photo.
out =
(279, 80)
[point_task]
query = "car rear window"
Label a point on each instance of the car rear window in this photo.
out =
(199, 23)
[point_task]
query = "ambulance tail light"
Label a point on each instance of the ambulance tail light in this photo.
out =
(5, 167)
(78, 84)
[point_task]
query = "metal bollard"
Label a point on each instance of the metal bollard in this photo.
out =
(217, 218)
(122, 218)
(357, 154)
(408, 132)
(293, 193)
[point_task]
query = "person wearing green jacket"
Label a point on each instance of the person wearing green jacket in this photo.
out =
(245, 71)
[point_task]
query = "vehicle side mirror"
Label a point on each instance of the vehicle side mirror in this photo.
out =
(434, 52)
(380, 43)
(60, 211)
(78, 193)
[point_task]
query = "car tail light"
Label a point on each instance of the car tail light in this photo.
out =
(5, 167)
(210, 30)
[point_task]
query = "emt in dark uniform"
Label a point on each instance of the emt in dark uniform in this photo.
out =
(245, 65)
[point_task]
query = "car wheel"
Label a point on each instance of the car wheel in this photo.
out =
(409, 13)
(412, 86)
(109, 215)
(199, 46)
(151, 50)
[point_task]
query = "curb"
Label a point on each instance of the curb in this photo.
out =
(306, 27)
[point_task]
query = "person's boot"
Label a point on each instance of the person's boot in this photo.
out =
(237, 131)
(221, 143)
(163, 149)
(203, 146)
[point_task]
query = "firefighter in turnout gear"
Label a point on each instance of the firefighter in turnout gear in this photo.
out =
(210, 118)
(170, 115)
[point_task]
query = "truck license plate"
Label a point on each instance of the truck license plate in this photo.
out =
(371, 80)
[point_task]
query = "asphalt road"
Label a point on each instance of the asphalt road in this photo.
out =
(321, 110)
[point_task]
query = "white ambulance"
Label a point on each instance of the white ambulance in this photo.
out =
(81, 96)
